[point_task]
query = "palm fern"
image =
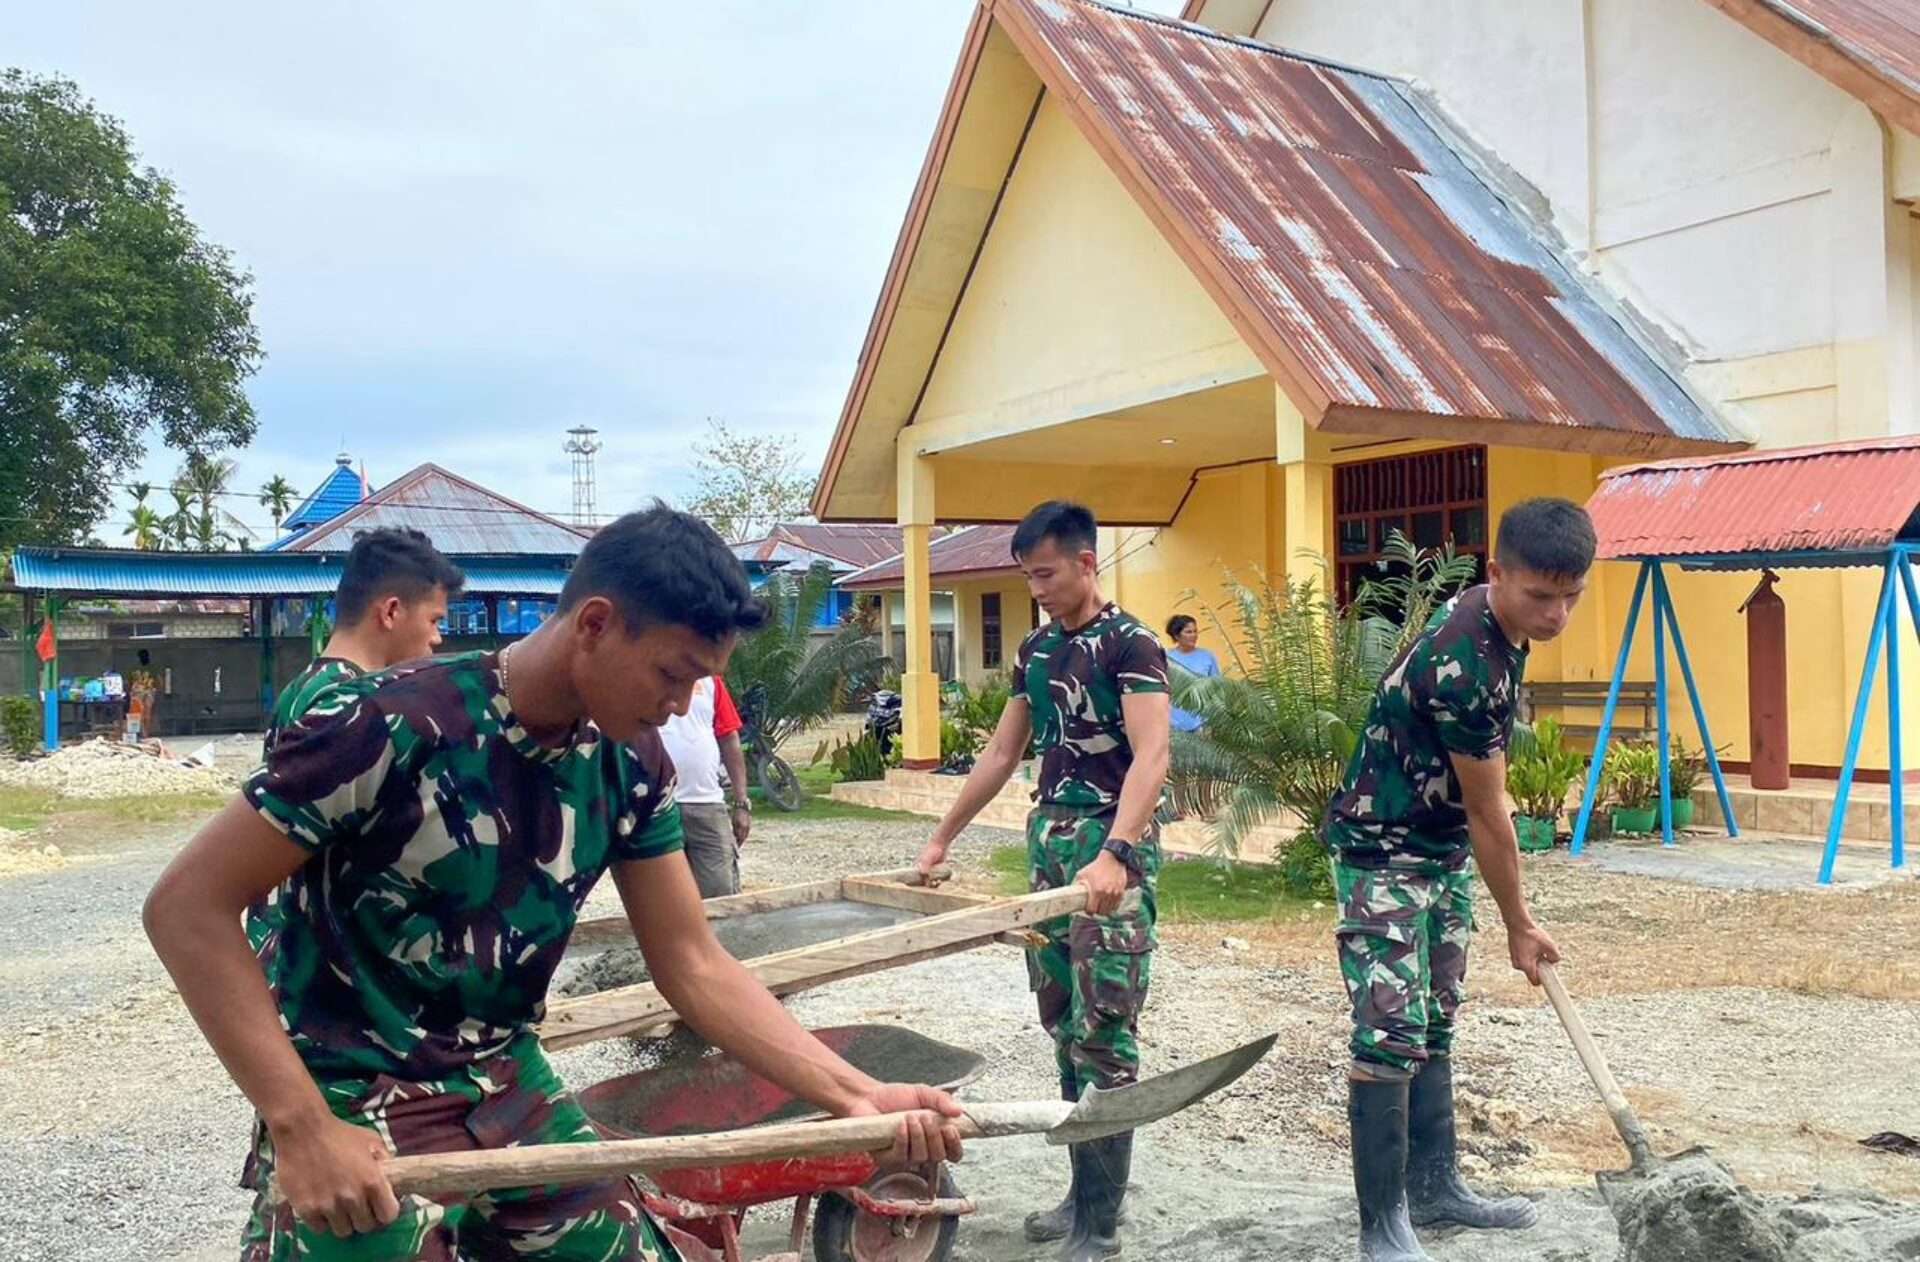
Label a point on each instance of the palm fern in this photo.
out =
(804, 678)
(1418, 581)
(1279, 727)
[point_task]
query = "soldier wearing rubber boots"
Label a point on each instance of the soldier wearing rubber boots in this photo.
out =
(1423, 805)
(1090, 698)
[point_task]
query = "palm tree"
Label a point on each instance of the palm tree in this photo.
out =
(1279, 727)
(145, 528)
(177, 526)
(277, 498)
(803, 679)
(205, 479)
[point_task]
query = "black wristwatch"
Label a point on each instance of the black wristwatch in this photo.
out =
(1123, 851)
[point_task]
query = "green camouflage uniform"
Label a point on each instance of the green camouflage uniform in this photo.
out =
(451, 856)
(1091, 977)
(301, 694)
(1398, 830)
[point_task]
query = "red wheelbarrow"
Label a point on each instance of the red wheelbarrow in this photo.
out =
(865, 1213)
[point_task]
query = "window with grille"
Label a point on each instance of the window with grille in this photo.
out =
(1431, 497)
(990, 630)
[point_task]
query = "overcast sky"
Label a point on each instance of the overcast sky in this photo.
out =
(470, 229)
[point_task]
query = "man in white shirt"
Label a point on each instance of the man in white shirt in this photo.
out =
(699, 741)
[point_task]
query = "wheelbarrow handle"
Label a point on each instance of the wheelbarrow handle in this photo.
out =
(538, 1165)
(1595, 1062)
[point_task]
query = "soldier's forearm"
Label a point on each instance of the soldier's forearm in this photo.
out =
(1140, 796)
(1497, 853)
(214, 969)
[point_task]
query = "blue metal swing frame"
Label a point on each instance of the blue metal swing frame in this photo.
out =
(1895, 564)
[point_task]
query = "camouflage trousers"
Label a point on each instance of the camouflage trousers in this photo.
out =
(513, 1097)
(1090, 978)
(1403, 953)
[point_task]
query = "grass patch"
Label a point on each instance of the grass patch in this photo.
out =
(24, 809)
(1191, 890)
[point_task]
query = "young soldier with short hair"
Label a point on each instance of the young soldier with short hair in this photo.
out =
(1424, 803)
(463, 808)
(1090, 697)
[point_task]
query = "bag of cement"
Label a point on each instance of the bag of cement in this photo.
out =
(201, 757)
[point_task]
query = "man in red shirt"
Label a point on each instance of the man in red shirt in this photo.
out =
(700, 742)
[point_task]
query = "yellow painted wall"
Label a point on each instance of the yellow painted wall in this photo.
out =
(1015, 622)
(1234, 520)
(1076, 306)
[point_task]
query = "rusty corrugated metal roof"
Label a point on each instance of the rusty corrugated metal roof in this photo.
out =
(1868, 48)
(857, 545)
(973, 552)
(461, 517)
(1835, 497)
(1368, 259)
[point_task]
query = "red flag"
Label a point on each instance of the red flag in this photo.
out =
(45, 646)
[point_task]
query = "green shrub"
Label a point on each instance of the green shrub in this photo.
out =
(1542, 770)
(1632, 775)
(20, 725)
(860, 759)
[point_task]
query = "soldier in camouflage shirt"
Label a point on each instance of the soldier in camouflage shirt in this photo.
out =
(388, 608)
(1424, 798)
(459, 813)
(1090, 698)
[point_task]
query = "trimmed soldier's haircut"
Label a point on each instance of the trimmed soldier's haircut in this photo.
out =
(1548, 536)
(1180, 622)
(664, 567)
(1069, 525)
(392, 562)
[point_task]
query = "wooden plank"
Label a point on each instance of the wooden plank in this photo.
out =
(908, 898)
(614, 931)
(627, 1009)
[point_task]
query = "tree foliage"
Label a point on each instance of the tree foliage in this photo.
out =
(116, 316)
(748, 483)
(805, 678)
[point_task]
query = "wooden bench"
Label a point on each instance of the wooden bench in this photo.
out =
(1638, 699)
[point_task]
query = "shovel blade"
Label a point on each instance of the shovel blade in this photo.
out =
(1109, 1112)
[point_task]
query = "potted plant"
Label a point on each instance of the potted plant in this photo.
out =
(1684, 769)
(1540, 775)
(1633, 783)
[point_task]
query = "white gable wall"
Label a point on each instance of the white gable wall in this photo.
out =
(1731, 195)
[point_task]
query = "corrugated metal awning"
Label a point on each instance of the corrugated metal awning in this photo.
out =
(1378, 274)
(1846, 501)
(120, 572)
(974, 552)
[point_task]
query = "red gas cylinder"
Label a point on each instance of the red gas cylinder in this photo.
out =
(1767, 684)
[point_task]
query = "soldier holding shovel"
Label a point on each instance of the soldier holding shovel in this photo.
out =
(1424, 801)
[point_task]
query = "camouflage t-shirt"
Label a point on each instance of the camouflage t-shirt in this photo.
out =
(453, 853)
(301, 694)
(1451, 694)
(1073, 682)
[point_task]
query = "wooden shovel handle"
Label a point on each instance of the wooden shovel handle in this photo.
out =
(1631, 1132)
(538, 1165)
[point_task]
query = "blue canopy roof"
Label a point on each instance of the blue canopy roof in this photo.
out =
(128, 573)
(341, 491)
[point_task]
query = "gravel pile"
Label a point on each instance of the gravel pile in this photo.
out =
(100, 769)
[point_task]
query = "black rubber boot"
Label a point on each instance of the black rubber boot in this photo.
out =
(1377, 1114)
(1435, 1192)
(1100, 1169)
(1057, 1223)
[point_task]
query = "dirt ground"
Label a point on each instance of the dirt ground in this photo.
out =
(1775, 1024)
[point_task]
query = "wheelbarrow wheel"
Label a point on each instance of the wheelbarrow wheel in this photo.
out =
(843, 1232)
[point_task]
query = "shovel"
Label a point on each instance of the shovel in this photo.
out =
(1099, 1113)
(1686, 1205)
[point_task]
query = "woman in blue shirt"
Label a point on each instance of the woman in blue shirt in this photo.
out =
(1184, 634)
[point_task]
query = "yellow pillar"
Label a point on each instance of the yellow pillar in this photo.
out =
(1306, 477)
(919, 685)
